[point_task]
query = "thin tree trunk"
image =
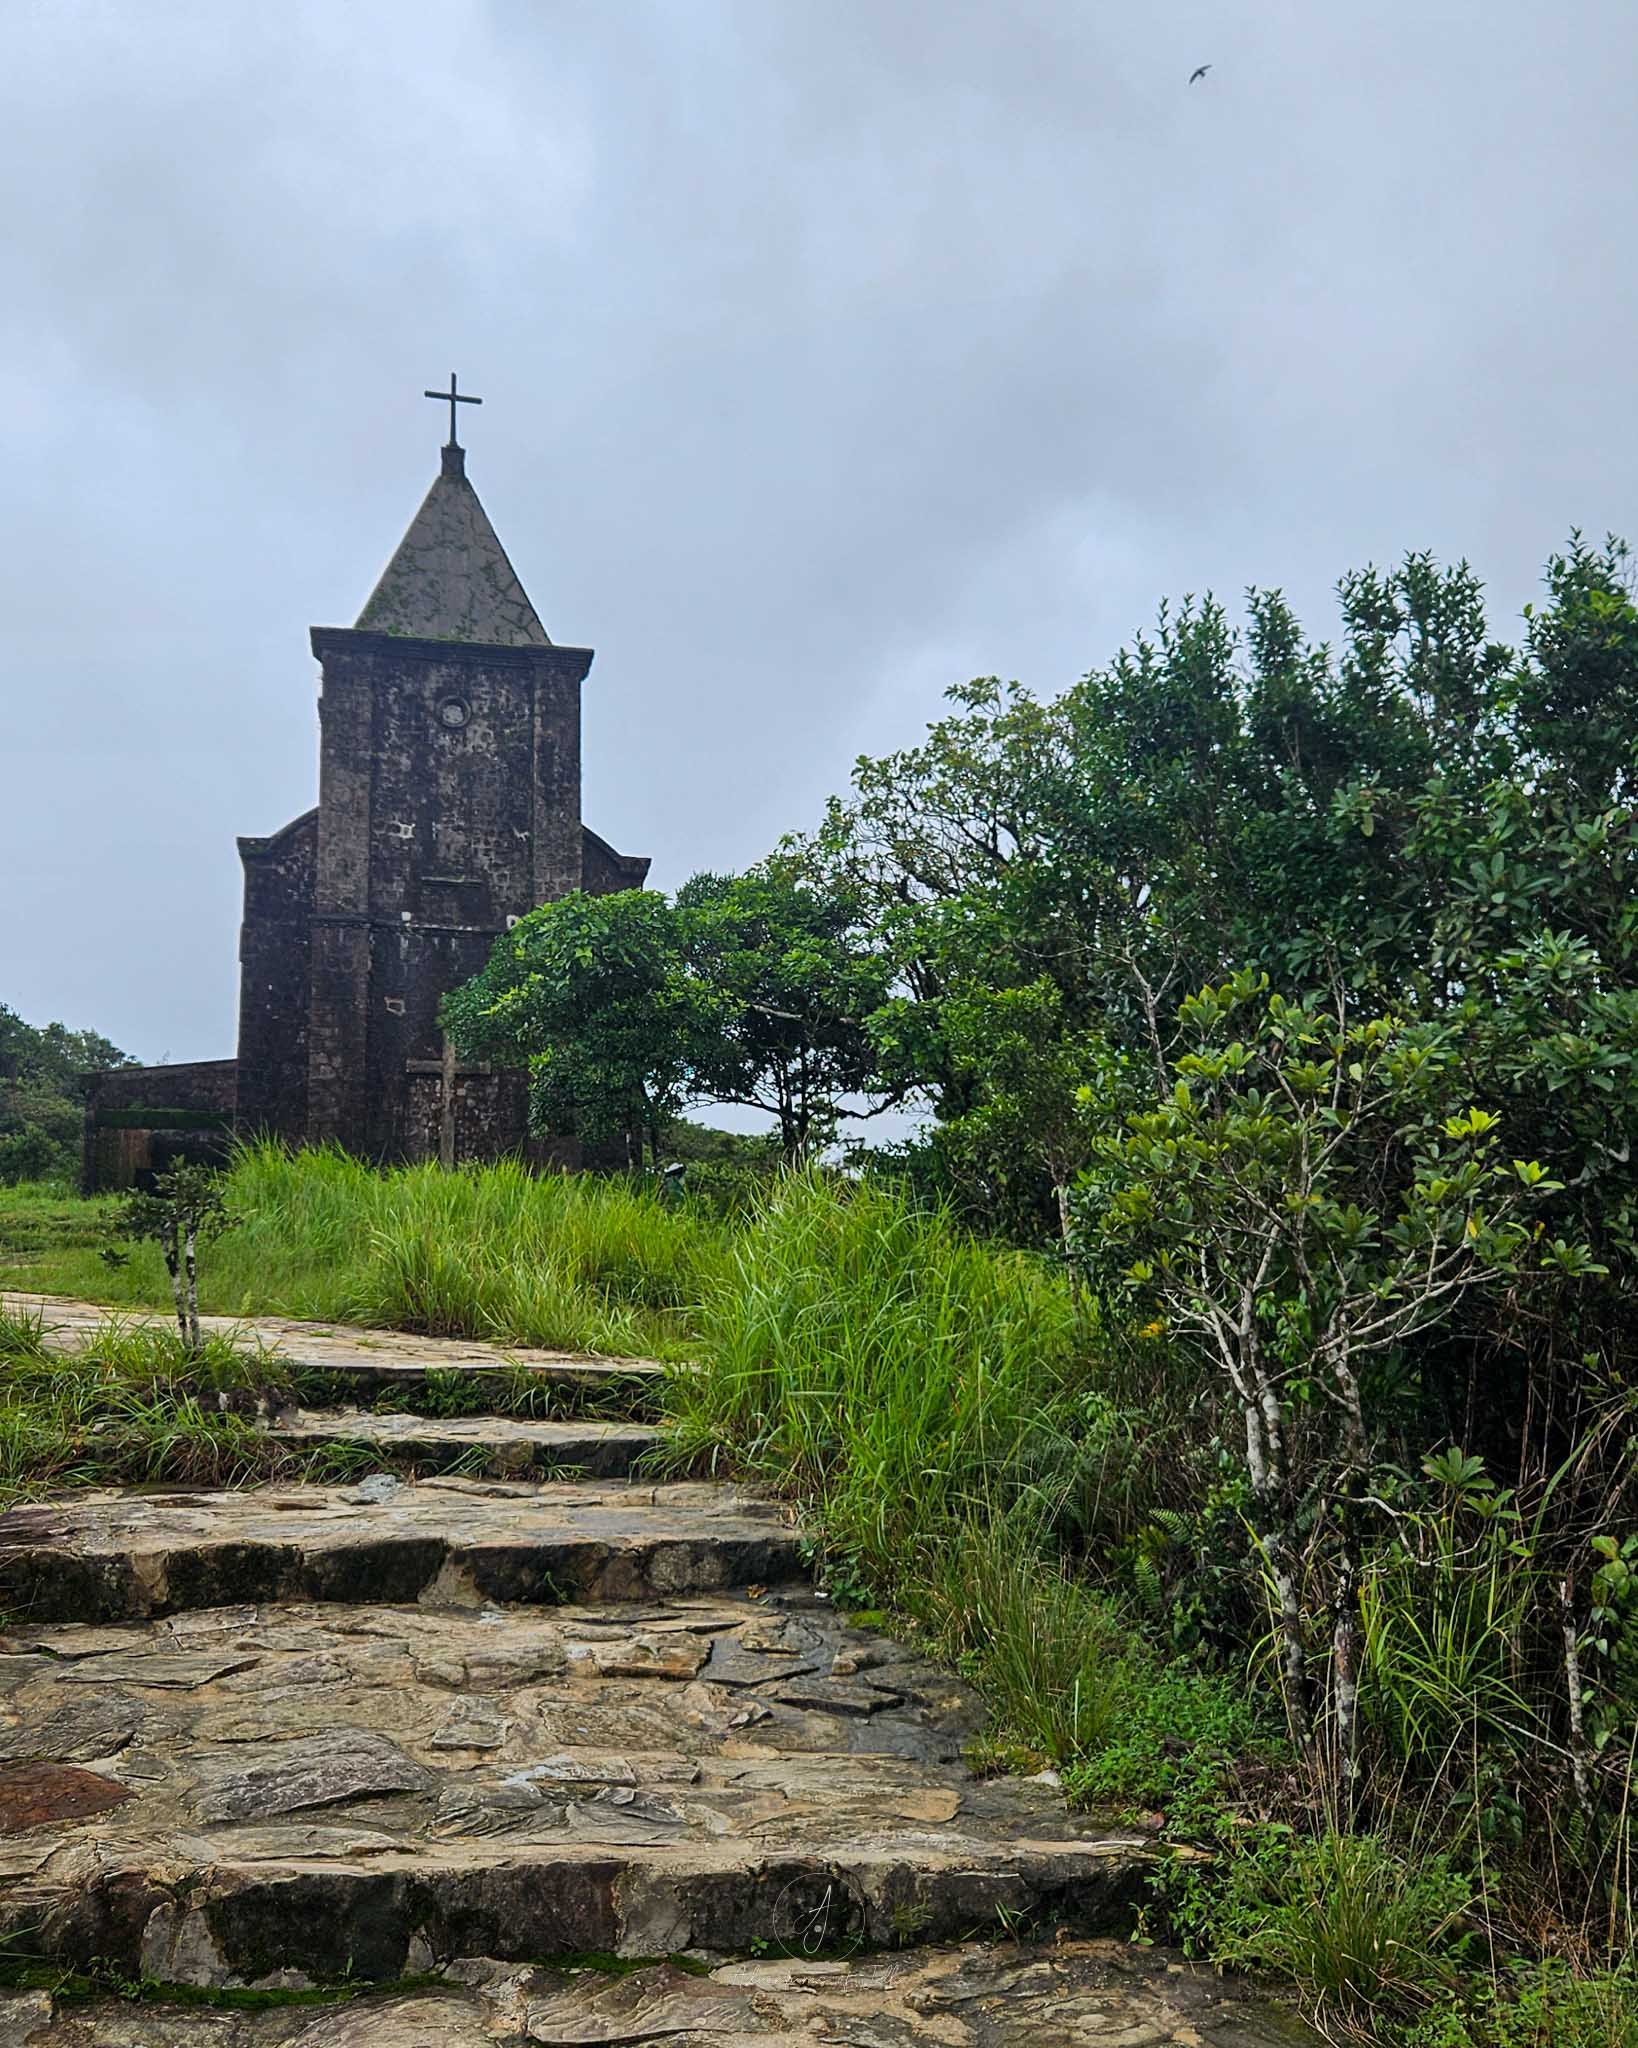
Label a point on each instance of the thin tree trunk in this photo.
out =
(1572, 1684)
(1345, 1671)
(1345, 1614)
(190, 1253)
(1293, 1651)
(1264, 1464)
(173, 1266)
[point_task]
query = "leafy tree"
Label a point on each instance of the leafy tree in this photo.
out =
(1420, 818)
(185, 1209)
(42, 1093)
(590, 994)
(1309, 1197)
(1025, 1136)
(625, 1008)
(706, 1145)
(788, 988)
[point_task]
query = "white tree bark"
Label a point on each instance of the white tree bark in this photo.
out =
(171, 1250)
(190, 1255)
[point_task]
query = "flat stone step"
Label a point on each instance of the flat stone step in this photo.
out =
(490, 1445)
(1009, 1995)
(118, 1556)
(394, 1914)
(365, 1360)
(306, 1791)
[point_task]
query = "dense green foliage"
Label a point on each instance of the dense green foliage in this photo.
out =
(1420, 819)
(1294, 988)
(751, 989)
(41, 1095)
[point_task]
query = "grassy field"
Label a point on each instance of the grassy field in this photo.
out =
(577, 1265)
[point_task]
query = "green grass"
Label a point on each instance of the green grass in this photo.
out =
(497, 1253)
(41, 1220)
(131, 1407)
(878, 1362)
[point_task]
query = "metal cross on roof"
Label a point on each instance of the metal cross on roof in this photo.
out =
(453, 398)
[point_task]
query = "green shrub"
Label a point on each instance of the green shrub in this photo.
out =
(1370, 1935)
(1538, 2005)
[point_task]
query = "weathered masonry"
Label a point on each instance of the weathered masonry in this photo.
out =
(449, 804)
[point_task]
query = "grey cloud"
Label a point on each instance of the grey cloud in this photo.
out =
(830, 354)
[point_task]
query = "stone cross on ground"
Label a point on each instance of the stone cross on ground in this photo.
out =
(453, 398)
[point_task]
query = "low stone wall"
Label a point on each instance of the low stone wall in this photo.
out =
(140, 1121)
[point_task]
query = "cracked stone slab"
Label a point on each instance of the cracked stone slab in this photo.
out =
(69, 1645)
(835, 1696)
(304, 1842)
(183, 1671)
(492, 1444)
(367, 1358)
(1094, 1994)
(77, 1731)
(648, 1656)
(116, 1556)
(323, 1770)
(40, 1795)
(772, 1647)
(17, 1669)
(470, 1723)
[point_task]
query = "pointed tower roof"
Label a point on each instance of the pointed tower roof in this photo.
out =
(450, 579)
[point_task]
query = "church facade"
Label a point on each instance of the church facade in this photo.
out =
(449, 805)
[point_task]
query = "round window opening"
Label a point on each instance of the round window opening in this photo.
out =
(453, 713)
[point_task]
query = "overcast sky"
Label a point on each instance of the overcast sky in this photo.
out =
(831, 351)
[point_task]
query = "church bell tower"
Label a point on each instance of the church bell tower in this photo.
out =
(449, 805)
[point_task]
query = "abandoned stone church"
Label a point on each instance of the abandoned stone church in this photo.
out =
(449, 804)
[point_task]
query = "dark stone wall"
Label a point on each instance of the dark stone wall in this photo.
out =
(195, 1086)
(491, 1115)
(275, 979)
(449, 801)
(138, 1120)
(603, 871)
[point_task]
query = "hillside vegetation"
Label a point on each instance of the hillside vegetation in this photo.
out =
(42, 1095)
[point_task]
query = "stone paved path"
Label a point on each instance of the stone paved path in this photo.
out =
(469, 1732)
(373, 1359)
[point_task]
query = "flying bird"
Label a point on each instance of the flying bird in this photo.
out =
(1198, 73)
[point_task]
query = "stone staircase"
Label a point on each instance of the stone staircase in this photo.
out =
(471, 1736)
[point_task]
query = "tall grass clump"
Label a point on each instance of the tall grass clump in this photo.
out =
(927, 1399)
(134, 1403)
(494, 1252)
(869, 1357)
